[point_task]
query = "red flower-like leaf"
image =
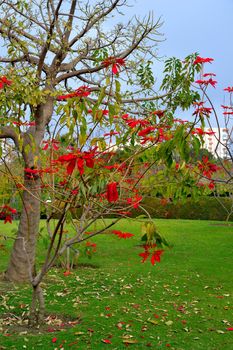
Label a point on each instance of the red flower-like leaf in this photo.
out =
(146, 131)
(211, 185)
(134, 201)
(132, 123)
(229, 89)
(116, 63)
(206, 167)
(209, 75)
(6, 213)
(53, 143)
(112, 193)
(156, 256)
(4, 81)
(206, 82)
(82, 91)
(145, 255)
(77, 159)
(202, 60)
(90, 244)
(71, 166)
(121, 234)
(8, 218)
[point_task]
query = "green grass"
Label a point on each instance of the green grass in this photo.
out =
(183, 303)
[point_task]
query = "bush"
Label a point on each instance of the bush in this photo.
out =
(206, 208)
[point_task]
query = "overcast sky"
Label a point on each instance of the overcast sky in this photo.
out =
(204, 26)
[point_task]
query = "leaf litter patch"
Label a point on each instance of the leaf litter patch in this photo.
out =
(11, 324)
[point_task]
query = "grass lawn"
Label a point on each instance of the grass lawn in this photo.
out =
(185, 302)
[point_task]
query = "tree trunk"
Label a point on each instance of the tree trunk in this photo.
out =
(37, 309)
(22, 260)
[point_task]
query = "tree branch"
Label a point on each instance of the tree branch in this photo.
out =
(6, 132)
(92, 21)
(47, 44)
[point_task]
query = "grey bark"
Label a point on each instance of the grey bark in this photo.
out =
(22, 261)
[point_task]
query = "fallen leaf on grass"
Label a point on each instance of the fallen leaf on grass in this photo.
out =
(67, 273)
(79, 333)
(106, 341)
(226, 322)
(120, 325)
(144, 328)
(127, 336)
(169, 323)
(153, 321)
(73, 343)
(186, 329)
(129, 341)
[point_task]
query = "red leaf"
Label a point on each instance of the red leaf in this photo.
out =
(71, 166)
(8, 218)
(51, 330)
(144, 255)
(45, 147)
(54, 340)
(121, 234)
(114, 68)
(67, 273)
(112, 194)
(80, 165)
(106, 341)
(202, 60)
(89, 162)
(156, 256)
(55, 146)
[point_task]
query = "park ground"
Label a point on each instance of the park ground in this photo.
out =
(113, 301)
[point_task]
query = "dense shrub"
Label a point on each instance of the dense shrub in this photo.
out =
(206, 208)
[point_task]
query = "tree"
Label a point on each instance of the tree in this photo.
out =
(66, 134)
(47, 45)
(224, 180)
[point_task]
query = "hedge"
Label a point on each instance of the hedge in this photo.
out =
(206, 208)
